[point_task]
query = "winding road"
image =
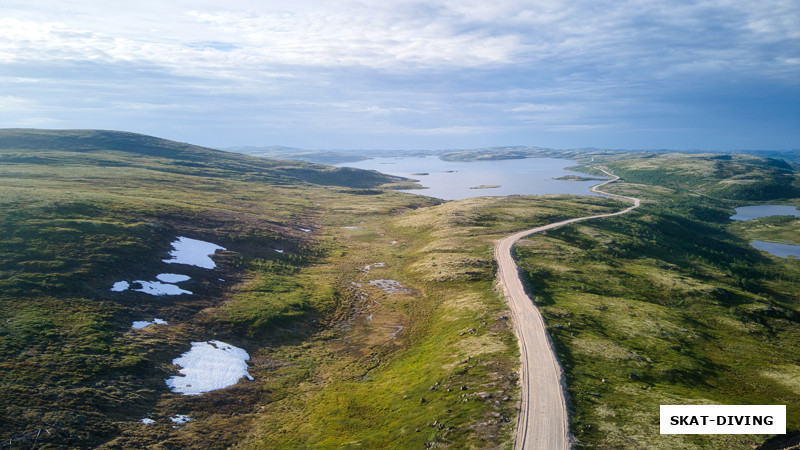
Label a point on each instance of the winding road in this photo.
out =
(543, 422)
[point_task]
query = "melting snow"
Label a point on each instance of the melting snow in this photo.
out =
(139, 324)
(305, 229)
(193, 252)
(147, 421)
(180, 419)
(209, 366)
(158, 288)
(279, 251)
(173, 277)
(120, 286)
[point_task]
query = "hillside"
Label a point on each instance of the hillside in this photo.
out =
(371, 317)
(311, 283)
(115, 149)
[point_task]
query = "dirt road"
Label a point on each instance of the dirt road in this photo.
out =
(543, 422)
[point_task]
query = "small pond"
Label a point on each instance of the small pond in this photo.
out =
(758, 211)
(776, 249)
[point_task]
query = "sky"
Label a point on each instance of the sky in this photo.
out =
(406, 74)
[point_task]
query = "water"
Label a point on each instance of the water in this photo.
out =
(452, 180)
(780, 250)
(757, 211)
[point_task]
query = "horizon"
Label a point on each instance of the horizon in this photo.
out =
(437, 150)
(701, 75)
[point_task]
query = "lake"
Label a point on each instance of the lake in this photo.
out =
(757, 211)
(455, 180)
(780, 250)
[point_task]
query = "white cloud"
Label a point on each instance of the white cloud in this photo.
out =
(398, 66)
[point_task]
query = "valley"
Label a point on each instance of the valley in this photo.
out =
(371, 317)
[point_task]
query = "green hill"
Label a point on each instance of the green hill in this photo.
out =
(82, 211)
(121, 149)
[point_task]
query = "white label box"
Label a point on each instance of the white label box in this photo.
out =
(723, 419)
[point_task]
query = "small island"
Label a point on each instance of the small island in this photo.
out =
(421, 174)
(486, 186)
(577, 178)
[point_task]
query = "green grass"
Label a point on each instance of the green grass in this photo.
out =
(669, 304)
(665, 306)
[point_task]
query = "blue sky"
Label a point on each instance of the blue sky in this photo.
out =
(628, 74)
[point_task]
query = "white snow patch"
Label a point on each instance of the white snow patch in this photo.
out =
(147, 421)
(173, 277)
(157, 288)
(209, 366)
(279, 251)
(305, 229)
(139, 324)
(120, 286)
(180, 419)
(193, 252)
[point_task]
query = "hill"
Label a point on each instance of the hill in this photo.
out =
(371, 317)
(101, 148)
(308, 279)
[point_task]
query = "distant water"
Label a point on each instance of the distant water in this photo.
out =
(780, 250)
(757, 211)
(452, 180)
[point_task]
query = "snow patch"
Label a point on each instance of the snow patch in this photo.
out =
(120, 286)
(193, 252)
(157, 288)
(180, 419)
(278, 250)
(147, 421)
(209, 366)
(173, 277)
(139, 324)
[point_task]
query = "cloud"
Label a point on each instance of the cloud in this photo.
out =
(405, 66)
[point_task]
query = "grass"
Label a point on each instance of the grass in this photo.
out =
(81, 210)
(665, 305)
